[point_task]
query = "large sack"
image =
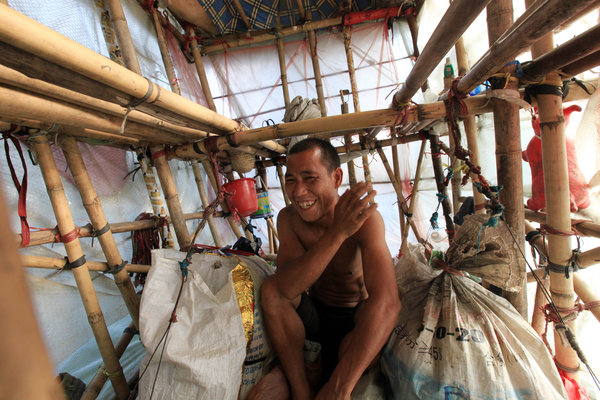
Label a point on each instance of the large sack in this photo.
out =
(216, 349)
(457, 340)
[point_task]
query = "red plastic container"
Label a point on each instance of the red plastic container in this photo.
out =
(242, 196)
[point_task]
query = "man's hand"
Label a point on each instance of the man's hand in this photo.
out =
(352, 209)
(330, 392)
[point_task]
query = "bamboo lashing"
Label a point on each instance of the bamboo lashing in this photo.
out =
(413, 198)
(204, 198)
(52, 46)
(81, 274)
(584, 227)
(199, 63)
(556, 186)
(575, 49)
(26, 371)
(52, 235)
(95, 212)
(434, 143)
(470, 126)
(93, 388)
(172, 199)
(454, 23)
(537, 21)
(507, 129)
(59, 264)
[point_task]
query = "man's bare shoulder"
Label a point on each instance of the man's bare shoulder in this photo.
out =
(373, 229)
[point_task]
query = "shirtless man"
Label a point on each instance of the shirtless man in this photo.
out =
(335, 247)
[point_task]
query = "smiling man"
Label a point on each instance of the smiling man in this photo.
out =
(335, 281)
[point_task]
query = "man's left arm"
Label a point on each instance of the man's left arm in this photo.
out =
(375, 317)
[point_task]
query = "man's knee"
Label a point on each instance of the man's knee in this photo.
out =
(272, 299)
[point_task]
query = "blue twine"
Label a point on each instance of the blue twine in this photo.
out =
(183, 265)
(433, 220)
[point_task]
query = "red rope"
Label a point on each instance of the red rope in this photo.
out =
(68, 237)
(21, 186)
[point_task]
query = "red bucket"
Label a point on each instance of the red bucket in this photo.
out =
(242, 196)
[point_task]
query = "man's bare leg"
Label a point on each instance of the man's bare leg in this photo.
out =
(286, 332)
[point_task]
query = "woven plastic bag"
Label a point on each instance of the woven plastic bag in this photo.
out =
(216, 349)
(456, 340)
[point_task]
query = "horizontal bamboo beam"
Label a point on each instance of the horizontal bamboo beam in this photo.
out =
(49, 235)
(339, 123)
(581, 65)
(59, 263)
(578, 47)
(261, 37)
(54, 47)
(454, 23)
(534, 23)
(585, 228)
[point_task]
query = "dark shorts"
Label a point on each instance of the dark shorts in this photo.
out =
(326, 325)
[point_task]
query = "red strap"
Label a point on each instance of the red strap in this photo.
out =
(21, 186)
(68, 237)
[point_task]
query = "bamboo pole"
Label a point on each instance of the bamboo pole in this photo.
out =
(537, 21)
(586, 228)
(413, 198)
(16, 104)
(94, 209)
(434, 142)
(59, 263)
(213, 180)
(556, 184)
(50, 235)
(312, 43)
(54, 47)
(97, 383)
(396, 164)
(581, 65)
(81, 273)
(204, 198)
(470, 126)
(347, 144)
(508, 147)
(398, 189)
(170, 191)
(25, 371)
(286, 199)
(240, 10)
(199, 63)
(454, 23)
(575, 49)
(456, 179)
(117, 17)
(164, 52)
(282, 65)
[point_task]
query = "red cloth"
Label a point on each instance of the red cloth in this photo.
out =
(578, 186)
(574, 391)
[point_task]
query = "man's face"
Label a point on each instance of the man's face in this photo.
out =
(310, 186)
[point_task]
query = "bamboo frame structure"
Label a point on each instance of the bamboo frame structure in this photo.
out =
(455, 181)
(507, 133)
(312, 43)
(81, 274)
(117, 17)
(556, 186)
(434, 143)
(199, 63)
(204, 198)
(282, 66)
(581, 65)
(96, 214)
(413, 201)
(59, 264)
(25, 371)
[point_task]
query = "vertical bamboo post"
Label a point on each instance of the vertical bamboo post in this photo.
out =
(470, 126)
(438, 170)
(282, 65)
(204, 198)
(556, 185)
(81, 273)
(351, 72)
(413, 198)
(168, 185)
(312, 42)
(508, 149)
(538, 319)
(286, 199)
(396, 163)
(164, 51)
(454, 162)
(123, 35)
(25, 371)
(213, 180)
(199, 63)
(97, 383)
(96, 213)
(347, 143)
